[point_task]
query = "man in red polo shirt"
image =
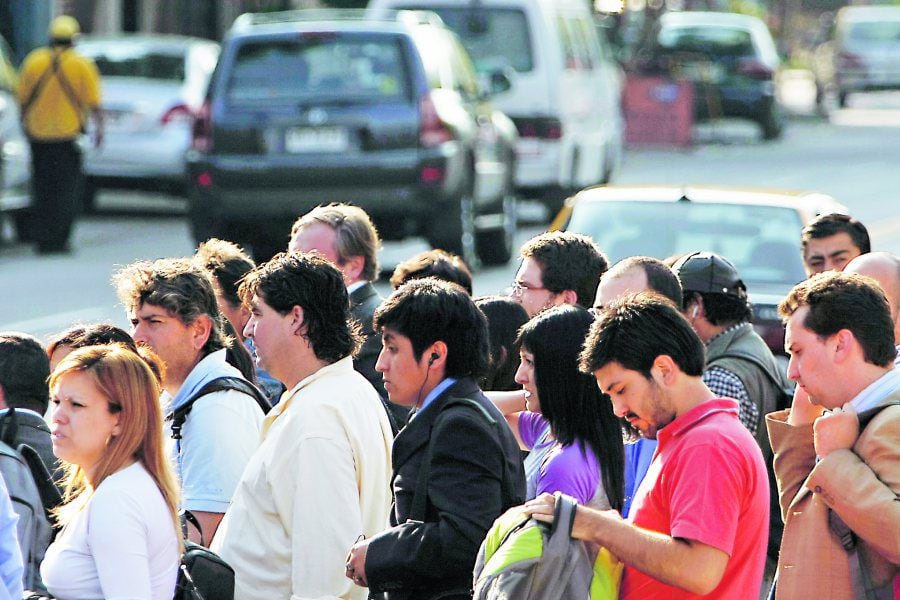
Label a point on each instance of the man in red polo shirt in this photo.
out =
(699, 522)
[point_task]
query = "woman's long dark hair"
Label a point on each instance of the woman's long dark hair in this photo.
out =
(570, 400)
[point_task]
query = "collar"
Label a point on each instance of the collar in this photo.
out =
(339, 368)
(695, 416)
(877, 391)
(725, 332)
(212, 366)
(22, 411)
(356, 285)
(434, 393)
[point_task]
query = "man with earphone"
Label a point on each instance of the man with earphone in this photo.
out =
(456, 463)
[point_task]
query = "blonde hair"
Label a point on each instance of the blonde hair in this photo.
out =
(131, 390)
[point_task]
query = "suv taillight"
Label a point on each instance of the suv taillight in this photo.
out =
(754, 69)
(180, 113)
(432, 130)
(201, 133)
(545, 128)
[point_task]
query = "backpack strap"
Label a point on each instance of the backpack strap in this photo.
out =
(420, 496)
(50, 496)
(64, 84)
(9, 427)
(179, 415)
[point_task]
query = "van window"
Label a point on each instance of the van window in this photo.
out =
(320, 67)
(494, 37)
(880, 32)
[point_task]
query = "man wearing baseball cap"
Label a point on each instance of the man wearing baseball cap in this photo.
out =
(739, 364)
(58, 88)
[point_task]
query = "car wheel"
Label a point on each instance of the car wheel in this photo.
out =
(204, 225)
(495, 245)
(23, 225)
(842, 99)
(454, 231)
(772, 124)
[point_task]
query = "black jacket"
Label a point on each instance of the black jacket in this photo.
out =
(476, 474)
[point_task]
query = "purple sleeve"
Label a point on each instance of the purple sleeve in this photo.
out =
(531, 426)
(569, 471)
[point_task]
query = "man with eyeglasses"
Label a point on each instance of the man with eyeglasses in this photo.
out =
(558, 267)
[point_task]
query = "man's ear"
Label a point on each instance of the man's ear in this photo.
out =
(298, 325)
(845, 344)
(353, 268)
(3, 405)
(569, 297)
(200, 331)
(666, 368)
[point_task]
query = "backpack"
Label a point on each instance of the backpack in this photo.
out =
(526, 559)
(33, 495)
(202, 574)
(179, 415)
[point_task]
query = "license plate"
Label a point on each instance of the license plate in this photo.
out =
(316, 139)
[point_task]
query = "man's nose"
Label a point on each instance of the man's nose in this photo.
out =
(249, 327)
(792, 371)
(381, 363)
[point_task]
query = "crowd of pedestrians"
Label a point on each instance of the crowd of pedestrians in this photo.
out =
(331, 443)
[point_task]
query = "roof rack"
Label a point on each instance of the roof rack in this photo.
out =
(408, 17)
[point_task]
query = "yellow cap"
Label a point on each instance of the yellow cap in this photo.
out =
(64, 27)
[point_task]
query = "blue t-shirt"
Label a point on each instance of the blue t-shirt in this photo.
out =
(572, 469)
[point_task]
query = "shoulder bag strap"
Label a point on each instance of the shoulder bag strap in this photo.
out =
(68, 91)
(37, 89)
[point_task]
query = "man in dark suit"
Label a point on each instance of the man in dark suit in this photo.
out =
(456, 465)
(24, 369)
(345, 235)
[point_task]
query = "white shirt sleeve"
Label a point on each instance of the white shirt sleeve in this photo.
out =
(323, 502)
(220, 435)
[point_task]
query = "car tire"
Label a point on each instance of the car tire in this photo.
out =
(842, 98)
(772, 124)
(454, 230)
(204, 225)
(23, 226)
(495, 246)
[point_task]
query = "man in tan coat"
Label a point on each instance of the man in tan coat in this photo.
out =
(840, 338)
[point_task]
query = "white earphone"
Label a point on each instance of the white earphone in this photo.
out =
(696, 310)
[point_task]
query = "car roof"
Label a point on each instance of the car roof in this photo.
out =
(719, 19)
(166, 41)
(381, 20)
(811, 203)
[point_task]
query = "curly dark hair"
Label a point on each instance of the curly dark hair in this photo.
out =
(832, 224)
(430, 310)
(722, 309)
(315, 285)
(227, 263)
(434, 263)
(568, 261)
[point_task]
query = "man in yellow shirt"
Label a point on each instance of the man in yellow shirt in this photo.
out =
(58, 88)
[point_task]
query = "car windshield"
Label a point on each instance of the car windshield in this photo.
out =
(714, 42)
(876, 33)
(130, 60)
(762, 241)
(320, 67)
(494, 37)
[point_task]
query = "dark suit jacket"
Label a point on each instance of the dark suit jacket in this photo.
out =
(363, 302)
(33, 430)
(476, 474)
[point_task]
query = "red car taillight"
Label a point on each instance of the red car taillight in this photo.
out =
(201, 133)
(432, 131)
(180, 113)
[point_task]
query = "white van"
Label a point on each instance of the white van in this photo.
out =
(566, 89)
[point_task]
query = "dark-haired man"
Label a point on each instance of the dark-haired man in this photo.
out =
(456, 464)
(845, 463)
(558, 267)
(320, 476)
(24, 370)
(698, 523)
(172, 308)
(831, 241)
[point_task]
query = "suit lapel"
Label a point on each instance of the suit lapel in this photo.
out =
(363, 293)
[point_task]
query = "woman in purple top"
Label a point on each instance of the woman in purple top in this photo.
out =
(584, 454)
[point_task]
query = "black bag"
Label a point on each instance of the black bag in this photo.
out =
(202, 574)
(217, 385)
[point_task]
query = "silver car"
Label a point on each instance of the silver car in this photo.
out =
(15, 154)
(151, 87)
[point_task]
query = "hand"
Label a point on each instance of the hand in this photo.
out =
(836, 431)
(356, 563)
(803, 411)
(542, 508)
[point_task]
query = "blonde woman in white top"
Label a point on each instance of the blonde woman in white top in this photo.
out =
(121, 537)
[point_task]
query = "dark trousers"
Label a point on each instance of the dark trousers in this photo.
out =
(56, 181)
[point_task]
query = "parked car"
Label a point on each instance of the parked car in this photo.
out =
(312, 107)
(731, 60)
(15, 153)
(566, 89)
(863, 53)
(757, 230)
(151, 87)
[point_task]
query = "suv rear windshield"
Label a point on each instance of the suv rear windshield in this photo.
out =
(320, 67)
(761, 241)
(494, 37)
(125, 60)
(713, 42)
(882, 32)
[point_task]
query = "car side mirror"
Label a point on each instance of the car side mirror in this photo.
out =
(495, 82)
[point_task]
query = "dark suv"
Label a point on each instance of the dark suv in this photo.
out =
(384, 112)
